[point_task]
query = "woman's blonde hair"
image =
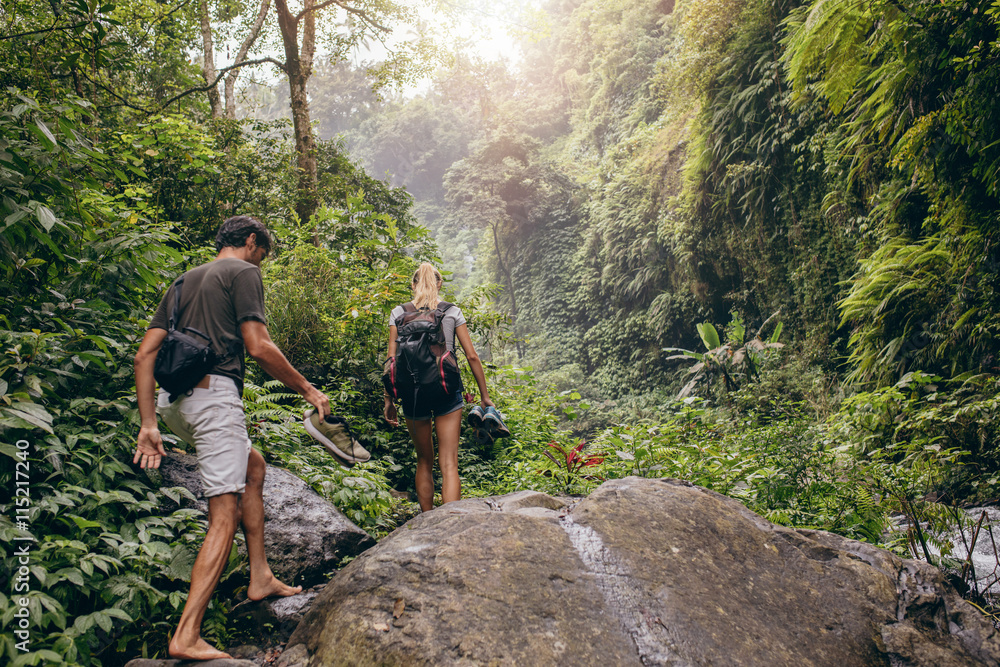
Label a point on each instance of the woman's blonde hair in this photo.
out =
(426, 283)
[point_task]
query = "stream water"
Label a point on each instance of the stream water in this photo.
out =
(985, 550)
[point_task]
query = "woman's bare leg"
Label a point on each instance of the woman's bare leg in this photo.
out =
(449, 431)
(423, 441)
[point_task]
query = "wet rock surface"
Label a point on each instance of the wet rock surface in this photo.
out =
(305, 536)
(221, 662)
(654, 572)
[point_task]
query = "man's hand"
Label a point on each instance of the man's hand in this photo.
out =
(318, 400)
(150, 450)
(260, 346)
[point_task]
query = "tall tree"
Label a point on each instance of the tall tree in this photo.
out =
(241, 55)
(209, 72)
(496, 189)
(365, 19)
(208, 59)
(298, 67)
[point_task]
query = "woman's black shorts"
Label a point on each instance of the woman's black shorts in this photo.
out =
(425, 409)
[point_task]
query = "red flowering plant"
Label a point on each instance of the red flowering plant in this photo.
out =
(571, 467)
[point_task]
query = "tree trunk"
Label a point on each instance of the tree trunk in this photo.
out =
(510, 286)
(208, 64)
(298, 67)
(230, 85)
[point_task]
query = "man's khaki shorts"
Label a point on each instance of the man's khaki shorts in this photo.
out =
(212, 420)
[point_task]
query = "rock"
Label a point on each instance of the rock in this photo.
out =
(245, 652)
(305, 536)
(654, 572)
(525, 500)
(180, 469)
(293, 656)
(220, 662)
(280, 615)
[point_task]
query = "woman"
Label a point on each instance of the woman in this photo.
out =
(423, 417)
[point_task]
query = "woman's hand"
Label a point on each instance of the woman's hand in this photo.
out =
(390, 413)
(487, 403)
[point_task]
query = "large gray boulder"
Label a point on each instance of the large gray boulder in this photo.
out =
(167, 662)
(654, 572)
(305, 536)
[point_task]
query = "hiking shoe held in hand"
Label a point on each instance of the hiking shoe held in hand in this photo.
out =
(475, 417)
(335, 435)
(494, 420)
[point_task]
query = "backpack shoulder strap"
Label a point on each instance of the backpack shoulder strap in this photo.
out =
(408, 307)
(175, 316)
(443, 306)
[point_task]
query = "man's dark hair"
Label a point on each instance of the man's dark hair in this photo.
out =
(235, 231)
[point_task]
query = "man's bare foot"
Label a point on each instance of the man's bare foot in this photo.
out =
(200, 650)
(271, 589)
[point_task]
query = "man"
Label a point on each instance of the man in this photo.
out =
(223, 299)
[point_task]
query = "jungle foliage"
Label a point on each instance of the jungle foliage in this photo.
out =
(650, 170)
(820, 175)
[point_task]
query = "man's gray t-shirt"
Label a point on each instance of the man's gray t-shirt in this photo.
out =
(215, 299)
(453, 318)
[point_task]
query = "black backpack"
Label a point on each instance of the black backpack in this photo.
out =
(182, 360)
(423, 366)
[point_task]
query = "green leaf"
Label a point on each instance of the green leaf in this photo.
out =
(47, 240)
(82, 523)
(709, 336)
(32, 420)
(120, 614)
(738, 330)
(104, 621)
(83, 623)
(181, 562)
(72, 574)
(14, 217)
(45, 216)
(67, 127)
(41, 130)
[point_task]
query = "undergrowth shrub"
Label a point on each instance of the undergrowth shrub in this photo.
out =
(108, 567)
(360, 492)
(780, 469)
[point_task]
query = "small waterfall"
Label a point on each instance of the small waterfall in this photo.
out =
(986, 550)
(624, 596)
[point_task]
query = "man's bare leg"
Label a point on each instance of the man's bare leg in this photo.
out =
(223, 518)
(263, 583)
